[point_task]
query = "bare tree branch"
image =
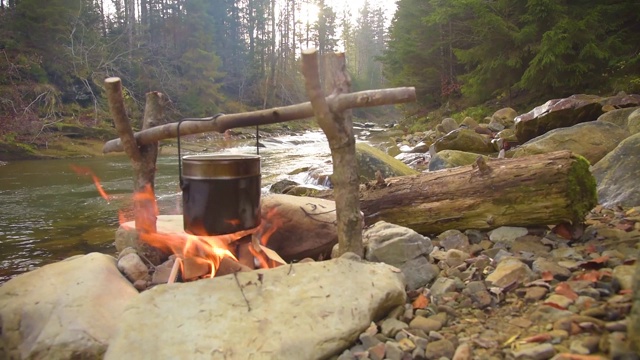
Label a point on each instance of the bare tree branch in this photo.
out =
(222, 123)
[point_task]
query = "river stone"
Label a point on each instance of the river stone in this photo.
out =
(507, 234)
(448, 125)
(281, 186)
(624, 275)
(504, 117)
(394, 244)
(567, 112)
(508, 271)
(464, 140)
(469, 122)
(132, 266)
(127, 236)
(593, 140)
(64, 310)
(298, 311)
(371, 160)
(419, 272)
(620, 117)
(617, 174)
(633, 124)
(446, 159)
(304, 190)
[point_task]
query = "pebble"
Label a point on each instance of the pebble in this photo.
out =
(509, 271)
(425, 324)
(463, 352)
(454, 239)
(507, 234)
(393, 351)
(442, 286)
(500, 293)
(391, 326)
(542, 265)
(439, 348)
(455, 257)
(535, 352)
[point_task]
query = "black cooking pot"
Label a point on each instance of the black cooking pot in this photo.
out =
(220, 193)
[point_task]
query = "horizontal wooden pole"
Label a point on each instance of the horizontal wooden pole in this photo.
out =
(337, 103)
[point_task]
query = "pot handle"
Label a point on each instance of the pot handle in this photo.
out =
(212, 118)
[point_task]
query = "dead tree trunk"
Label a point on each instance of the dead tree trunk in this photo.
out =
(534, 190)
(338, 128)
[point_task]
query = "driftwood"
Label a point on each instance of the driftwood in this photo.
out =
(536, 190)
(338, 128)
(222, 123)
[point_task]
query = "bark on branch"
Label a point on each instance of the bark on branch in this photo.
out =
(338, 128)
(336, 103)
(143, 159)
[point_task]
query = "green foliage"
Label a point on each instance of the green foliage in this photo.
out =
(478, 113)
(499, 48)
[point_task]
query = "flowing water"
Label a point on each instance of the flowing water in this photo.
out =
(48, 212)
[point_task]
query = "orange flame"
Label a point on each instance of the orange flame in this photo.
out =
(80, 170)
(211, 249)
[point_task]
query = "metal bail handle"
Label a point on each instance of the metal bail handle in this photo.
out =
(179, 153)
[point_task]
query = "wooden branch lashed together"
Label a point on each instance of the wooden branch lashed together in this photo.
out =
(222, 123)
(331, 112)
(338, 128)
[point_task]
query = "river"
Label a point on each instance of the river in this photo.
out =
(48, 212)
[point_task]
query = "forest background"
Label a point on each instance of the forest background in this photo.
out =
(463, 56)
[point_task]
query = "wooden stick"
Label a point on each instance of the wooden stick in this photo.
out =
(338, 128)
(222, 123)
(173, 275)
(113, 85)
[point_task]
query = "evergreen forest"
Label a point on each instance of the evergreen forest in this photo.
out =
(231, 56)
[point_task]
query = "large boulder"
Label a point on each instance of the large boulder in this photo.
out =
(306, 227)
(65, 310)
(567, 112)
(446, 159)
(633, 123)
(298, 311)
(617, 174)
(593, 140)
(372, 160)
(464, 140)
(622, 117)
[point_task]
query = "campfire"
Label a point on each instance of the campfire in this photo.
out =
(194, 254)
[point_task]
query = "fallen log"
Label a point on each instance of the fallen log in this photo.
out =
(535, 190)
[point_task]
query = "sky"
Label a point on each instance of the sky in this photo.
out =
(388, 5)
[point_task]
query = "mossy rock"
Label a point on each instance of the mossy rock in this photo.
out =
(370, 160)
(464, 140)
(619, 117)
(446, 159)
(593, 140)
(11, 152)
(75, 131)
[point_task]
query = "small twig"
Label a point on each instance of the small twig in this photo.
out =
(290, 269)
(235, 275)
(173, 275)
(311, 216)
(153, 267)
